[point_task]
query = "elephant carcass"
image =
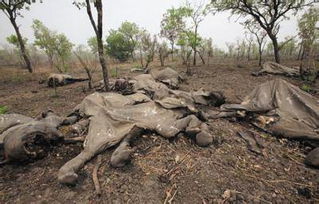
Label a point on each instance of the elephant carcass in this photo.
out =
(24, 138)
(277, 69)
(279, 108)
(62, 79)
(168, 76)
(114, 117)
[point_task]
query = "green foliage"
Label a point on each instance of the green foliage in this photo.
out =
(147, 45)
(57, 46)
(268, 14)
(306, 88)
(307, 27)
(15, 5)
(92, 43)
(13, 40)
(130, 31)
(173, 23)
(118, 46)
(3, 109)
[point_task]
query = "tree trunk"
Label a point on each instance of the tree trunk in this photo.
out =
(172, 44)
(260, 54)
(141, 58)
(98, 29)
(195, 46)
(87, 70)
(276, 47)
(248, 51)
(50, 61)
(202, 58)
(99, 8)
(161, 56)
(22, 46)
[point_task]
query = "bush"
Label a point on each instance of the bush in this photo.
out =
(118, 46)
(3, 109)
(306, 88)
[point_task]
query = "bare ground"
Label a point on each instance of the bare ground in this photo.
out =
(162, 170)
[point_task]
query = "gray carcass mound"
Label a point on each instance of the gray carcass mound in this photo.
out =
(62, 79)
(113, 119)
(23, 138)
(281, 109)
(116, 119)
(277, 69)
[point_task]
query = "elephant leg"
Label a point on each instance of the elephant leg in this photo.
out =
(122, 154)
(67, 173)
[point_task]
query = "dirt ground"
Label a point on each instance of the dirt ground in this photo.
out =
(177, 170)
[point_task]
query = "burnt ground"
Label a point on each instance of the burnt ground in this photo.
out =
(224, 172)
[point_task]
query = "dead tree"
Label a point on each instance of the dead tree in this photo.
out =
(87, 70)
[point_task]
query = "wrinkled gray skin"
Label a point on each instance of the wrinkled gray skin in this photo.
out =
(18, 133)
(115, 119)
(281, 109)
(277, 69)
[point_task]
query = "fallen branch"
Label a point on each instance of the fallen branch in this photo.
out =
(169, 197)
(95, 176)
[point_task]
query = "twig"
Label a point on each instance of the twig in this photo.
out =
(169, 197)
(95, 176)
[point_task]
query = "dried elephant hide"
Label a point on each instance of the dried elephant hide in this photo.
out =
(279, 108)
(168, 76)
(23, 138)
(115, 118)
(62, 79)
(275, 68)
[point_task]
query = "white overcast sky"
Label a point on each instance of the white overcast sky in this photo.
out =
(62, 16)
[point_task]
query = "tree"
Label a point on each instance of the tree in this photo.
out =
(56, 46)
(130, 31)
(87, 61)
(118, 46)
(44, 39)
(206, 48)
(186, 50)
(92, 43)
(308, 34)
(13, 40)
(268, 14)
(260, 36)
(11, 9)
(147, 46)
(98, 29)
(230, 47)
(197, 13)
(63, 49)
(172, 24)
(163, 52)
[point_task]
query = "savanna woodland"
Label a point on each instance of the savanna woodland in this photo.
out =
(176, 101)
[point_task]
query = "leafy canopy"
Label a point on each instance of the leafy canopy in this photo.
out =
(118, 46)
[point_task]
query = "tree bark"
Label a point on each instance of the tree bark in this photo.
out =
(99, 34)
(202, 58)
(276, 47)
(260, 54)
(195, 45)
(172, 44)
(22, 46)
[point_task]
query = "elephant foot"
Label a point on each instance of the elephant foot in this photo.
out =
(68, 179)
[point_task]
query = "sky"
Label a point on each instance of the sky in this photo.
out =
(62, 16)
